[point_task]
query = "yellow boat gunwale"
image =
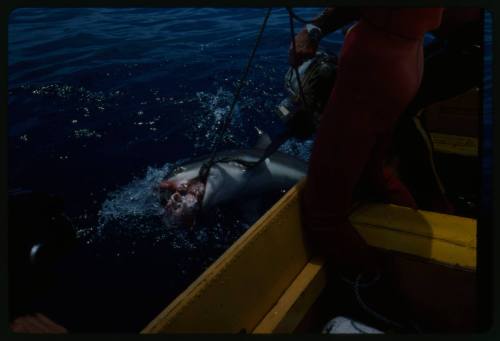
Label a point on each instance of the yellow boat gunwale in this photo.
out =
(268, 280)
(264, 271)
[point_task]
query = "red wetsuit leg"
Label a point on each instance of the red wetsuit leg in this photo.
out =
(381, 179)
(394, 190)
(378, 75)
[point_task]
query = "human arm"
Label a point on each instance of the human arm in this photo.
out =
(330, 20)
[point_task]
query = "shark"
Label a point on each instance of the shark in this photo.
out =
(235, 176)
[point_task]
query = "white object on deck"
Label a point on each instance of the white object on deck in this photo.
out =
(344, 325)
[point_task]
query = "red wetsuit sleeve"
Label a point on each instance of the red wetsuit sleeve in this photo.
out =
(379, 72)
(411, 23)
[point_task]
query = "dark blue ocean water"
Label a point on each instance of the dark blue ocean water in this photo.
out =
(99, 95)
(103, 103)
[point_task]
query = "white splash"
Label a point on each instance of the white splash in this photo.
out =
(299, 149)
(138, 198)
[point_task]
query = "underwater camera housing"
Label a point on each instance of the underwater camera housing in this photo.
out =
(317, 76)
(40, 233)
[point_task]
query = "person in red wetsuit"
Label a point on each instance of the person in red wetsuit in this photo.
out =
(379, 73)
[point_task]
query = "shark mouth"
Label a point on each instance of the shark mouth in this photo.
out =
(181, 200)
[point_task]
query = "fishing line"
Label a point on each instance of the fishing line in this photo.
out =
(273, 147)
(203, 173)
(366, 308)
(205, 168)
(299, 19)
(291, 15)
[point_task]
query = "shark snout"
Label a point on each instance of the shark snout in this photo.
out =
(181, 200)
(176, 197)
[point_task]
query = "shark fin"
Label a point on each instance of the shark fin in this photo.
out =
(263, 140)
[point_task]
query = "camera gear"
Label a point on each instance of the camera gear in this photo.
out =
(39, 230)
(317, 76)
(40, 235)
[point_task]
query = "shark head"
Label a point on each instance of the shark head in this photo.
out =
(182, 200)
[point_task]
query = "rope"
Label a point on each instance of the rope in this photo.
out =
(367, 308)
(205, 168)
(287, 134)
(203, 173)
(299, 19)
(291, 15)
(362, 285)
(357, 284)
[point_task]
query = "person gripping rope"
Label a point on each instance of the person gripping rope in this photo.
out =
(379, 73)
(455, 49)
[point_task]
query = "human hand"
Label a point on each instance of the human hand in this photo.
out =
(305, 48)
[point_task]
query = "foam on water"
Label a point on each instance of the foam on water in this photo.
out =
(138, 198)
(133, 212)
(300, 149)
